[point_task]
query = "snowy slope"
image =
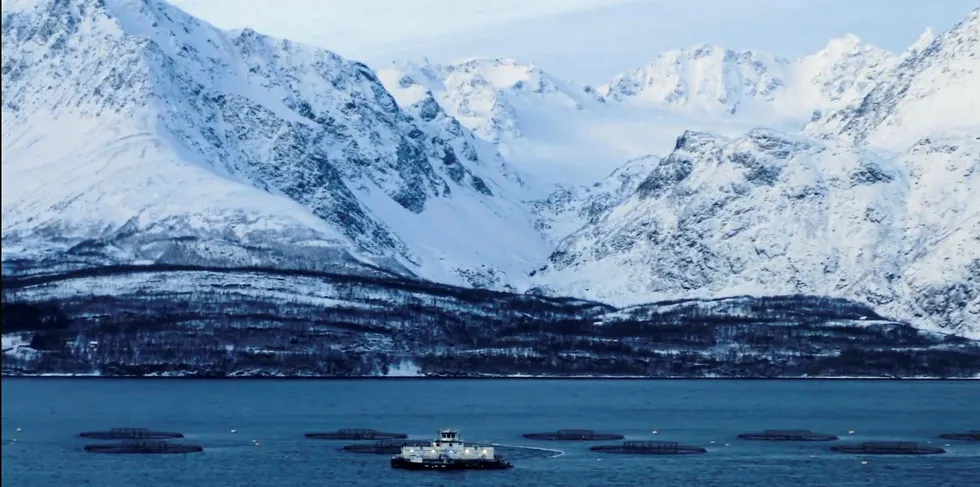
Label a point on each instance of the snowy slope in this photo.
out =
(552, 130)
(161, 137)
(772, 213)
(568, 209)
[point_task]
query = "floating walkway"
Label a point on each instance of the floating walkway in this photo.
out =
(788, 435)
(130, 434)
(389, 446)
(889, 448)
(574, 435)
(357, 434)
(650, 448)
(972, 435)
(144, 447)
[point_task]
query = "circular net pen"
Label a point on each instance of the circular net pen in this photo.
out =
(388, 447)
(144, 447)
(574, 435)
(650, 448)
(357, 434)
(130, 434)
(889, 448)
(972, 435)
(788, 435)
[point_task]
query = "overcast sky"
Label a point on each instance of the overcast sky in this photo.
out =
(588, 41)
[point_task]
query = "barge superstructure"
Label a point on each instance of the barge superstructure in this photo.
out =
(448, 452)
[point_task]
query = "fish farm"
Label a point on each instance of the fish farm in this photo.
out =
(973, 435)
(388, 446)
(357, 434)
(650, 448)
(574, 435)
(889, 448)
(788, 435)
(144, 447)
(130, 434)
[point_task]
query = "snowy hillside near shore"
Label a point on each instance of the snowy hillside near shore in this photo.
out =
(134, 133)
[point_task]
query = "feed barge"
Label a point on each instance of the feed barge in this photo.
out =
(972, 435)
(387, 447)
(889, 448)
(144, 447)
(650, 448)
(448, 452)
(574, 435)
(788, 435)
(357, 434)
(130, 434)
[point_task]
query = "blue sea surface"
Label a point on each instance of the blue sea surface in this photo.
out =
(275, 413)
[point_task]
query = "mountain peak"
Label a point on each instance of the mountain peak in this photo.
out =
(931, 91)
(923, 42)
(847, 42)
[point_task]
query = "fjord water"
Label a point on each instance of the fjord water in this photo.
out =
(50, 413)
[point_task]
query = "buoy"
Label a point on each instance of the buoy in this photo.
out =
(234, 431)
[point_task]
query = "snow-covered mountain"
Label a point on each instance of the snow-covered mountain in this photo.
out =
(482, 93)
(557, 130)
(145, 134)
(135, 133)
(892, 221)
(553, 130)
(932, 92)
(714, 81)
